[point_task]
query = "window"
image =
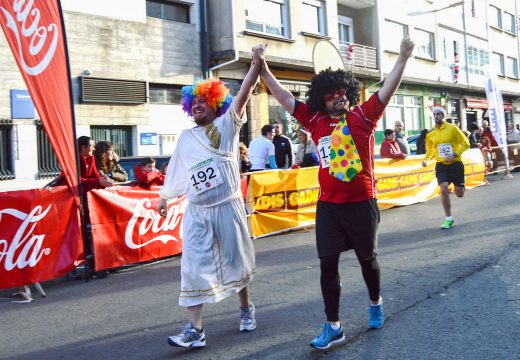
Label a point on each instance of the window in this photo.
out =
(498, 63)
(345, 29)
(394, 34)
(119, 136)
(165, 94)
(313, 12)
(6, 149)
(477, 59)
(48, 165)
(509, 25)
(512, 67)
(495, 17)
(168, 10)
(267, 16)
(425, 44)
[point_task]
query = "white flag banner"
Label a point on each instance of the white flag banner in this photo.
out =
(497, 119)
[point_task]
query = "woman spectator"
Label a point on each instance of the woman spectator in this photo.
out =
(107, 162)
(306, 154)
(245, 164)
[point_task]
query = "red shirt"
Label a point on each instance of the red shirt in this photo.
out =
(148, 178)
(89, 173)
(391, 149)
(362, 121)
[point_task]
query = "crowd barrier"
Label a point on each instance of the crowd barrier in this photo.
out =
(499, 160)
(126, 228)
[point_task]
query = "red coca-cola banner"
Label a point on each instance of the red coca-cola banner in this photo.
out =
(36, 228)
(127, 229)
(36, 36)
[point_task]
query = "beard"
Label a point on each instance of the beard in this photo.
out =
(203, 121)
(337, 109)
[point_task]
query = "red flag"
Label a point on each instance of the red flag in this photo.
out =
(35, 33)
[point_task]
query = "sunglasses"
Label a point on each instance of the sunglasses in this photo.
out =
(332, 96)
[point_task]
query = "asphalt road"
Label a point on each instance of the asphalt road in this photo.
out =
(448, 294)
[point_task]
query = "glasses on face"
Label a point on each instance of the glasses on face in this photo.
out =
(331, 96)
(438, 114)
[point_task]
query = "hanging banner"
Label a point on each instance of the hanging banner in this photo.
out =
(126, 228)
(36, 36)
(497, 119)
(38, 235)
(286, 199)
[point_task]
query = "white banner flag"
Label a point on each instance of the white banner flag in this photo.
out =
(497, 119)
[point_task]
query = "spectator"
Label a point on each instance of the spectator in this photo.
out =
(146, 174)
(485, 147)
(261, 150)
(282, 147)
(518, 127)
(474, 136)
(107, 162)
(306, 154)
(400, 137)
(390, 148)
(90, 176)
(421, 142)
(164, 168)
(245, 164)
(487, 132)
(513, 135)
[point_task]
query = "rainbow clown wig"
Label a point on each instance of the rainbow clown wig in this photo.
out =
(216, 94)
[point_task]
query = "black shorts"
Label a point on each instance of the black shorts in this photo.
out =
(452, 173)
(341, 227)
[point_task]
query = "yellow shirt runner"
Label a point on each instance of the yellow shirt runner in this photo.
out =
(445, 141)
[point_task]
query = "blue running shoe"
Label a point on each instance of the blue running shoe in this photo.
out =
(189, 337)
(376, 318)
(328, 337)
(247, 318)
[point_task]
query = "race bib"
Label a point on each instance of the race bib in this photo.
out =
(324, 151)
(445, 150)
(205, 176)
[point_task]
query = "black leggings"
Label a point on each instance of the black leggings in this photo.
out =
(331, 287)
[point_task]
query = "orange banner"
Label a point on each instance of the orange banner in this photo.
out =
(127, 229)
(286, 199)
(39, 235)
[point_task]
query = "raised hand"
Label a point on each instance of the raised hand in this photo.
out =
(407, 46)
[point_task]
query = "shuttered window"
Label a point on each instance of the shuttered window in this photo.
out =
(112, 91)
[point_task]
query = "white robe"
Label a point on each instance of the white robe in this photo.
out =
(218, 257)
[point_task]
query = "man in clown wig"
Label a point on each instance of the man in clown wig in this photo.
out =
(218, 257)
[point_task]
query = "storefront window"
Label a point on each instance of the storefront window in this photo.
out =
(278, 113)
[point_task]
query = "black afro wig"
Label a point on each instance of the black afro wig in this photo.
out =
(328, 81)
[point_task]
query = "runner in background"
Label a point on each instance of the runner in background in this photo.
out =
(446, 143)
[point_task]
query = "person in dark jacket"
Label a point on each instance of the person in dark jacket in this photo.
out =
(107, 163)
(421, 142)
(282, 147)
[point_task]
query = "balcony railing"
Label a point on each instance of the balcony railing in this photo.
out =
(357, 55)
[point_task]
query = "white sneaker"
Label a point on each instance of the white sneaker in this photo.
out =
(247, 319)
(189, 337)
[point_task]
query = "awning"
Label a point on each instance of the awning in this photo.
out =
(481, 103)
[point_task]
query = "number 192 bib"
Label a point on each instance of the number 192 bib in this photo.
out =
(205, 176)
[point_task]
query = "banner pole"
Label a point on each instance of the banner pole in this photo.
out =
(81, 202)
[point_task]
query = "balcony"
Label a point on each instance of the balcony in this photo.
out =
(359, 56)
